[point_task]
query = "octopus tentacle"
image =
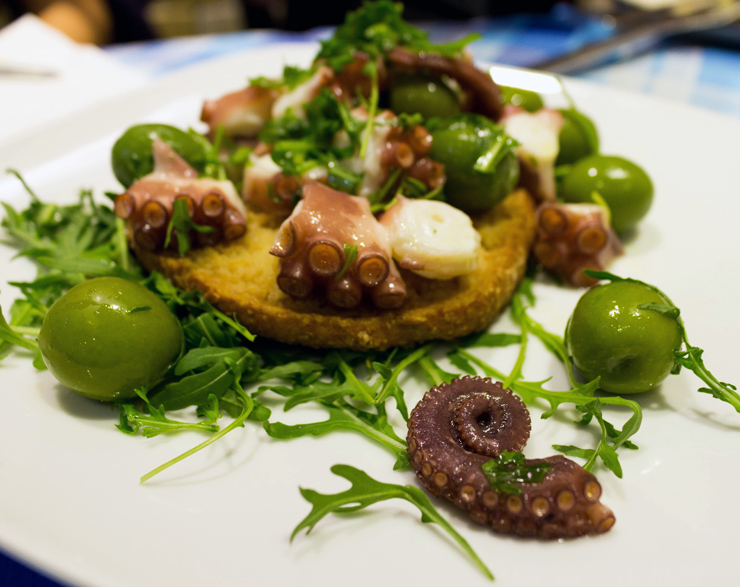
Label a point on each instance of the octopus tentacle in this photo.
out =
(478, 84)
(574, 237)
(431, 238)
(242, 113)
(391, 147)
(312, 245)
(148, 204)
(458, 427)
(538, 137)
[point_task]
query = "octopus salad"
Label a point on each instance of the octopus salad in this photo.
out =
(330, 228)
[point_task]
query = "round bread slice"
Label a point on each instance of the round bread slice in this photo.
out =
(240, 280)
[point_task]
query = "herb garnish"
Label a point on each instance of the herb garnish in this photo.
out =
(366, 491)
(377, 28)
(509, 468)
(181, 224)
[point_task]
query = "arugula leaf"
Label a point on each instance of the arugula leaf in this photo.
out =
(603, 450)
(180, 225)
(500, 147)
(194, 389)
(292, 77)
(343, 416)
(510, 468)
(247, 407)
(350, 254)
(155, 422)
(366, 491)
(375, 29)
(390, 386)
(301, 143)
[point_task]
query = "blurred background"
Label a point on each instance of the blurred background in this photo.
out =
(116, 21)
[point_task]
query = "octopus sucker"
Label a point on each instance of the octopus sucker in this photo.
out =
(460, 426)
(312, 245)
(148, 204)
(574, 237)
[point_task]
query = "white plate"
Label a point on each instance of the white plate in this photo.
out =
(71, 503)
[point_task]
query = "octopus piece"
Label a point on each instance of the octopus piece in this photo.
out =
(267, 187)
(483, 93)
(294, 99)
(574, 237)
(242, 114)
(432, 238)
(314, 242)
(458, 427)
(391, 147)
(538, 135)
(148, 204)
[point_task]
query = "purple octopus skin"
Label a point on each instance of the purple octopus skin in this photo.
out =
(457, 427)
(574, 237)
(483, 93)
(311, 247)
(147, 206)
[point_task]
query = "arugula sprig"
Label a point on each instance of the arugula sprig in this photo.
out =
(351, 403)
(154, 421)
(292, 77)
(301, 143)
(247, 407)
(366, 491)
(690, 357)
(509, 471)
(375, 29)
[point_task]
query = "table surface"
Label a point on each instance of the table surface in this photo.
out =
(681, 70)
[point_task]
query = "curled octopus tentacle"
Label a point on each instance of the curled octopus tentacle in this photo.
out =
(458, 427)
(484, 94)
(267, 187)
(313, 242)
(392, 147)
(241, 114)
(574, 237)
(147, 206)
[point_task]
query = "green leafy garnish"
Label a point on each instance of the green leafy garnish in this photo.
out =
(300, 144)
(350, 254)
(375, 29)
(501, 146)
(343, 416)
(366, 491)
(292, 77)
(181, 224)
(247, 407)
(509, 468)
(154, 422)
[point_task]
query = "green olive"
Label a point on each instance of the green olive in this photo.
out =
(610, 336)
(578, 137)
(464, 144)
(131, 157)
(107, 336)
(527, 99)
(428, 96)
(623, 185)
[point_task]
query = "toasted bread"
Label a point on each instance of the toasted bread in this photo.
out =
(240, 279)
